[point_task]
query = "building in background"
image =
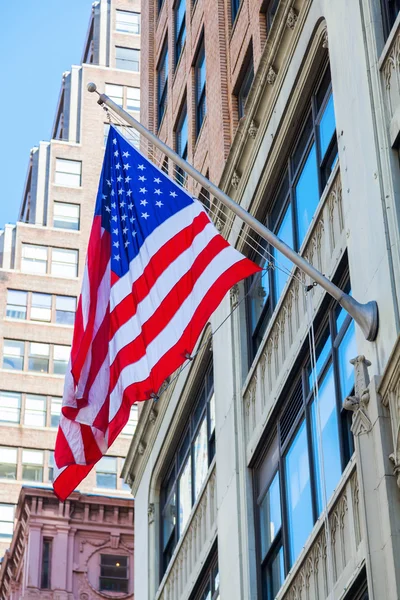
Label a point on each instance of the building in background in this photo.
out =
(42, 261)
(251, 477)
(77, 550)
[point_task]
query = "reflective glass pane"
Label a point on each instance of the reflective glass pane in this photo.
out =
(346, 351)
(258, 296)
(13, 355)
(133, 98)
(35, 410)
(327, 127)
(322, 352)
(212, 414)
(55, 411)
(273, 575)
(16, 304)
(200, 457)
(326, 424)
(66, 216)
(34, 259)
(270, 515)
(115, 93)
(307, 194)
(41, 307)
(127, 58)
(106, 480)
(185, 495)
(10, 407)
(8, 464)
(169, 519)
(32, 473)
(6, 520)
(299, 507)
(285, 232)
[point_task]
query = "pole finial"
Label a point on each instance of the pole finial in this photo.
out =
(91, 87)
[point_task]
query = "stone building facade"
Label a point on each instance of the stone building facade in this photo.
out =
(42, 261)
(269, 467)
(74, 550)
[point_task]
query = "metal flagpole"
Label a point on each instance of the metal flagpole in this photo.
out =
(365, 315)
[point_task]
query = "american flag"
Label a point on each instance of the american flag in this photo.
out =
(156, 269)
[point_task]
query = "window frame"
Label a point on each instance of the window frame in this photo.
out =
(178, 463)
(207, 579)
(127, 60)
(162, 82)
(245, 82)
(4, 537)
(125, 31)
(114, 578)
(284, 199)
(182, 123)
(57, 171)
(326, 320)
(179, 32)
(200, 91)
(235, 7)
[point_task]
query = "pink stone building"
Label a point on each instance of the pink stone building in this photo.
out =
(81, 549)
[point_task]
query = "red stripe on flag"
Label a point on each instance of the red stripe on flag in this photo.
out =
(157, 265)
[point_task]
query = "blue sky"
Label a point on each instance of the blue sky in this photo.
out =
(38, 42)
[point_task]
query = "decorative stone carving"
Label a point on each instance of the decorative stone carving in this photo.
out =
(325, 43)
(219, 224)
(234, 295)
(235, 180)
(291, 18)
(252, 131)
(141, 448)
(271, 75)
(151, 513)
(359, 402)
(153, 415)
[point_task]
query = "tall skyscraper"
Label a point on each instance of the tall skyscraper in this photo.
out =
(42, 260)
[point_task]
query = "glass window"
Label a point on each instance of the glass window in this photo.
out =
(7, 512)
(55, 411)
(127, 22)
(245, 86)
(68, 172)
(66, 216)
(130, 427)
(390, 10)
(182, 145)
(61, 358)
(106, 472)
(46, 564)
(180, 28)
(133, 99)
(34, 259)
(292, 207)
(114, 573)
(16, 304)
(65, 310)
(162, 82)
(32, 465)
(115, 93)
(64, 263)
(51, 466)
(200, 75)
(35, 410)
(208, 587)
(346, 351)
(13, 355)
(303, 465)
(41, 307)
(8, 464)
(300, 518)
(127, 59)
(38, 357)
(10, 407)
(187, 473)
(235, 8)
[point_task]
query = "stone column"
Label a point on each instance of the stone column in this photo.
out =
(34, 556)
(379, 498)
(60, 559)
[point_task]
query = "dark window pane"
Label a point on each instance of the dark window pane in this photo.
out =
(46, 561)
(169, 519)
(200, 458)
(327, 127)
(273, 575)
(185, 495)
(325, 426)
(201, 106)
(307, 194)
(114, 573)
(245, 87)
(162, 83)
(270, 515)
(302, 144)
(271, 12)
(180, 28)
(234, 8)
(298, 488)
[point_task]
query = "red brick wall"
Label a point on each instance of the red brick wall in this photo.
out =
(226, 47)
